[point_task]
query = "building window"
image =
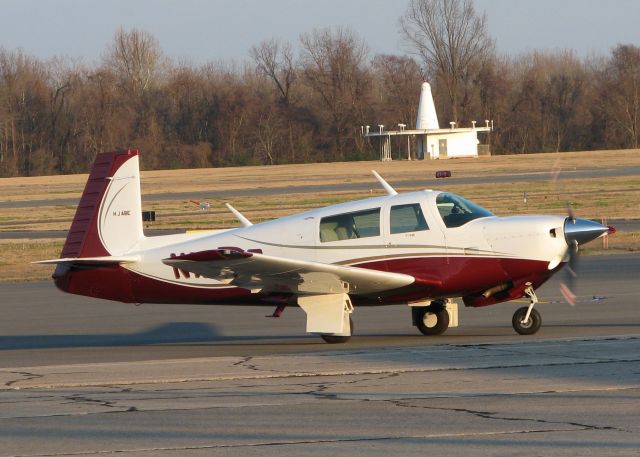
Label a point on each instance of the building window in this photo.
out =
(407, 218)
(359, 224)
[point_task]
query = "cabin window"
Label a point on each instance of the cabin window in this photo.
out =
(407, 218)
(359, 224)
(456, 211)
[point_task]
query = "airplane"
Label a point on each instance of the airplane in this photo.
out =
(419, 249)
(202, 205)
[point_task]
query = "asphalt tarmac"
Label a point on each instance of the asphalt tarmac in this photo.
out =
(41, 325)
(80, 376)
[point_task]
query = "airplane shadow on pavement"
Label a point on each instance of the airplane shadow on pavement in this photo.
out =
(174, 332)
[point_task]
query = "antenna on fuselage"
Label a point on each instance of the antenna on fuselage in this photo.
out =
(387, 188)
(243, 220)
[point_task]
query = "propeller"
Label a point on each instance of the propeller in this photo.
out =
(567, 285)
(577, 232)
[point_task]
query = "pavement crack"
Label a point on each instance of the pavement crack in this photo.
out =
(25, 376)
(89, 401)
(81, 399)
(322, 388)
(495, 416)
(245, 362)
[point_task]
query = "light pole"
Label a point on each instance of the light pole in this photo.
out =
(402, 126)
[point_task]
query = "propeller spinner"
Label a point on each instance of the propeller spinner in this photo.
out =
(583, 230)
(576, 232)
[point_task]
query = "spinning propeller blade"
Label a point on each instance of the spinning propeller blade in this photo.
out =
(576, 232)
(567, 286)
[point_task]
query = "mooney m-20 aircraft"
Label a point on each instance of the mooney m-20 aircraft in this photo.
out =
(419, 249)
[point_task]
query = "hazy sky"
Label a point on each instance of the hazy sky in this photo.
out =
(203, 30)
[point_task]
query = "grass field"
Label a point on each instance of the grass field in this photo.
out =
(17, 255)
(590, 198)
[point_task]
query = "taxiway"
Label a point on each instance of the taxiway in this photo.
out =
(82, 377)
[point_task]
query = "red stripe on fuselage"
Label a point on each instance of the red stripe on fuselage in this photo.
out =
(461, 276)
(119, 284)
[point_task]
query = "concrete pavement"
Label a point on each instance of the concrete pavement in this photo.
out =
(575, 397)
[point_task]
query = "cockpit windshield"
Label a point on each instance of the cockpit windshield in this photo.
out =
(457, 211)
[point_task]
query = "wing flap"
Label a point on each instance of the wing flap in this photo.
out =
(254, 270)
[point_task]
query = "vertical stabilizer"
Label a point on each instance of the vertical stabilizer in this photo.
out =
(427, 117)
(108, 220)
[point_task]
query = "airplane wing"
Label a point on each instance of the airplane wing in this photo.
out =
(256, 271)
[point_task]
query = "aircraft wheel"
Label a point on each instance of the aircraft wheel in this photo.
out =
(531, 326)
(432, 320)
(336, 339)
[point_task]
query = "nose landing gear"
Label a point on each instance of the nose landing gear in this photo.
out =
(526, 320)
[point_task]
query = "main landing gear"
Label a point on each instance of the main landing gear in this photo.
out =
(338, 339)
(431, 320)
(526, 320)
(328, 315)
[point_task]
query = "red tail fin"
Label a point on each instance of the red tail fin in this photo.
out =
(84, 239)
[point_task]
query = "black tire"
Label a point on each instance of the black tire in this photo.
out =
(432, 320)
(337, 339)
(531, 326)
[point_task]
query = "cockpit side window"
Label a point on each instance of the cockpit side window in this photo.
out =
(359, 224)
(457, 211)
(407, 218)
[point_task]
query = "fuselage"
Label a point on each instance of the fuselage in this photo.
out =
(452, 249)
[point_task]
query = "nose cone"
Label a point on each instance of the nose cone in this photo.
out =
(582, 230)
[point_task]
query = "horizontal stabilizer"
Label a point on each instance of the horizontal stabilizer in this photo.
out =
(104, 260)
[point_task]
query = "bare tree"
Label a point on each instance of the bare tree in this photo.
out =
(267, 135)
(621, 95)
(136, 57)
(448, 35)
(563, 100)
(24, 95)
(399, 79)
(334, 67)
(275, 60)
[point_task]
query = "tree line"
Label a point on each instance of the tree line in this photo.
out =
(280, 106)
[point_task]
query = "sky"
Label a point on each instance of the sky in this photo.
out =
(199, 31)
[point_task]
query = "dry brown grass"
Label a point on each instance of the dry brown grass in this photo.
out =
(199, 181)
(618, 243)
(17, 255)
(591, 198)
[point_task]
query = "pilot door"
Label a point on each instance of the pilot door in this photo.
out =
(414, 239)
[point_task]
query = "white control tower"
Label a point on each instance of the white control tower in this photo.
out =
(431, 141)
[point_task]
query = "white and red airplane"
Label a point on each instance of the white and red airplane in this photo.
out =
(420, 249)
